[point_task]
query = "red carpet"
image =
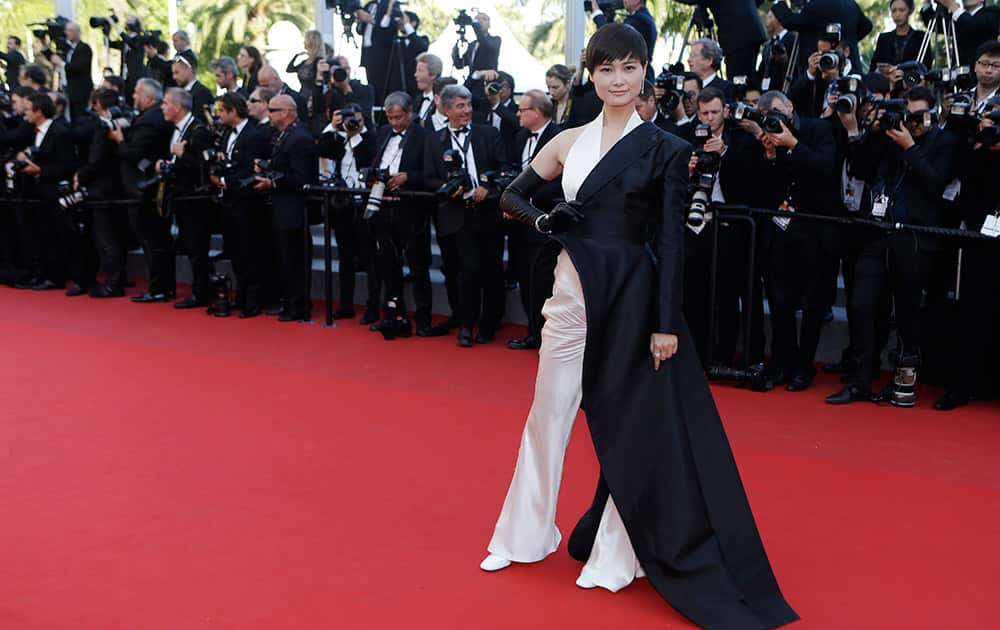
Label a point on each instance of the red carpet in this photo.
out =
(169, 470)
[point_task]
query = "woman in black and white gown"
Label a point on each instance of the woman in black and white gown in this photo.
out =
(670, 505)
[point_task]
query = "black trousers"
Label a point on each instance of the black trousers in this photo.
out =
(356, 252)
(978, 313)
(448, 246)
(740, 62)
(78, 250)
(247, 227)
(535, 262)
(12, 268)
(291, 248)
(153, 231)
(42, 235)
(108, 240)
(195, 227)
(481, 291)
(402, 232)
(801, 273)
(891, 266)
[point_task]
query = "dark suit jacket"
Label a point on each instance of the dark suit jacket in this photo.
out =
(200, 97)
(189, 170)
(78, 81)
(809, 97)
(405, 50)
(509, 124)
(15, 133)
(814, 17)
(100, 181)
(14, 62)
(361, 95)
(738, 24)
(159, 69)
(56, 157)
(411, 161)
(300, 101)
(253, 143)
(489, 153)
(642, 21)
(147, 139)
(886, 51)
(293, 155)
(485, 55)
(980, 194)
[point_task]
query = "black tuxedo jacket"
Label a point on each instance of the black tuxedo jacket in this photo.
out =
(742, 164)
(886, 52)
(453, 214)
(509, 124)
(147, 139)
(14, 61)
(814, 17)
(252, 143)
(334, 146)
(200, 97)
(293, 154)
(56, 157)
(100, 181)
(159, 69)
(411, 161)
(403, 51)
(189, 169)
(971, 30)
(770, 68)
(78, 81)
(739, 24)
(484, 54)
(808, 96)
(333, 99)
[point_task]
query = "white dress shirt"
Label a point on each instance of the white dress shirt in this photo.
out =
(42, 130)
(457, 140)
(180, 128)
(531, 145)
(425, 104)
(439, 120)
(233, 135)
(393, 153)
(348, 164)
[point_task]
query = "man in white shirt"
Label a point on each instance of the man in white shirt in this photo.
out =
(705, 60)
(429, 68)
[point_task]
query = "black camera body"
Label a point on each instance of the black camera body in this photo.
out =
(264, 169)
(165, 176)
(348, 122)
(851, 92)
(673, 84)
(104, 23)
(889, 113)
(770, 122)
(831, 60)
(456, 175)
(336, 72)
(703, 177)
(497, 181)
(54, 30)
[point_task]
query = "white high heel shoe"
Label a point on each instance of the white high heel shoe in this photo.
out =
(494, 562)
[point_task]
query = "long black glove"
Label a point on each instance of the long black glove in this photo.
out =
(516, 202)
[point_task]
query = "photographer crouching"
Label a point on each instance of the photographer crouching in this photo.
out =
(401, 226)
(244, 215)
(908, 161)
(291, 167)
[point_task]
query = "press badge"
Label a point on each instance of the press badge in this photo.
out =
(879, 206)
(782, 222)
(991, 226)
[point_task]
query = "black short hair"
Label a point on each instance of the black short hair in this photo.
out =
(709, 94)
(690, 76)
(921, 93)
(615, 42)
(234, 102)
(989, 48)
(506, 78)
(909, 4)
(17, 40)
(107, 97)
(115, 81)
(44, 104)
(413, 17)
(441, 83)
(161, 47)
(24, 91)
(36, 74)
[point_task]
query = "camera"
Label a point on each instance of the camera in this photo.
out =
(104, 23)
(770, 122)
(456, 175)
(673, 86)
(741, 85)
(348, 122)
(607, 7)
(832, 34)
(494, 88)
(121, 116)
(55, 31)
(16, 165)
(463, 20)
(831, 60)
(71, 201)
(377, 178)
(266, 170)
(913, 73)
(165, 176)
(850, 91)
(959, 78)
(989, 136)
(889, 113)
(221, 288)
(336, 72)
(497, 181)
(703, 177)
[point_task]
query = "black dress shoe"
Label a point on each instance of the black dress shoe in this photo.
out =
(528, 343)
(951, 400)
(840, 367)
(395, 327)
(464, 338)
(104, 291)
(247, 313)
(370, 317)
(442, 329)
(190, 301)
(150, 297)
(344, 312)
(74, 291)
(486, 336)
(851, 393)
(45, 285)
(274, 311)
(289, 316)
(424, 331)
(801, 381)
(27, 283)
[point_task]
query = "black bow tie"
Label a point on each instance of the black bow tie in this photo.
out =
(396, 134)
(459, 132)
(535, 135)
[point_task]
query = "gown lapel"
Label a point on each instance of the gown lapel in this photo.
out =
(622, 155)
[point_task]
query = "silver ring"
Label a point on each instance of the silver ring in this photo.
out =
(656, 354)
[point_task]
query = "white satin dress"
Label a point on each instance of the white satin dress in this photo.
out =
(526, 530)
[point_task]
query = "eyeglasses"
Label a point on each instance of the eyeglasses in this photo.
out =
(183, 60)
(275, 110)
(524, 109)
(255, 100)
(992, 65)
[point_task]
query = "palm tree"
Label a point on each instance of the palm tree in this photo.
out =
(232, 23)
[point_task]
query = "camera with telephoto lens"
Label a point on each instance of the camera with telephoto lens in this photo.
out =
(348, 122)
(497, 181)
(55, 32)
(463, 20)
(607, 7)
(888, 113)
(16, 165)
(831, 60)
(72, 202)
(120, 116)
(104, 23)
(770, 122)
(165, 176)
(914, 73)
(377, 179)
(221, 287)
(962, 116)
(336, 72)
(456, 176)
(216, 162)
(850, 92)
(673, 87)
(265, 169)
(703, 177)
(741, 85)
(959, 78)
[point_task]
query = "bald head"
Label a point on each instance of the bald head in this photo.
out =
(73, 32)
(283, 111)
(269, 77)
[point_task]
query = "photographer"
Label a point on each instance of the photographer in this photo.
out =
(909, 163)
(705, 60)
(75, 68)
(257, 106)
(50, 245)
(498, 109)
(158, 67)
(269, 78)
(734, 160)
(975, 24)
(483, 53)
(374, 24)
(185, 173)
(987, 70)
(102, 184)
(182, 48)
(402, 227)
(133, 53)
(427, 71)
(800, 267)
(535, 263)
(13, 60)
(638, 18)
(811, 21)
(224, 69)
(647, 106)
(831, 61)
(774, 56)
(407, 45)
(201, 96)
(147, 141)
(979, 298)
(468, 212)
(740, 34)
(341, 91)
(244, 215)
(292, 166)
(347, 142)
